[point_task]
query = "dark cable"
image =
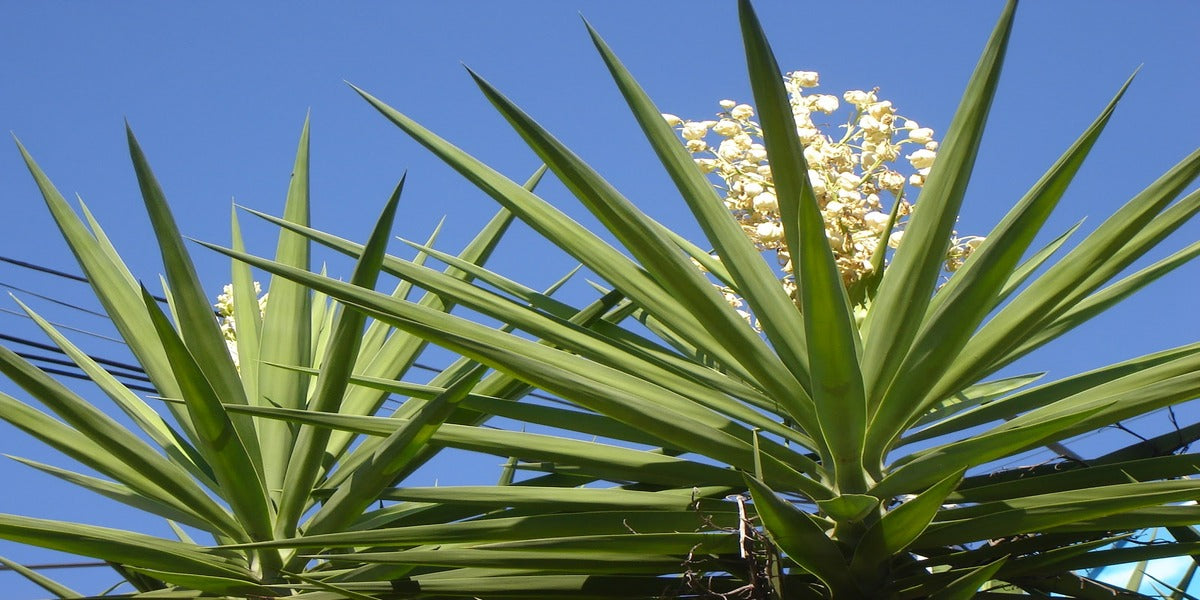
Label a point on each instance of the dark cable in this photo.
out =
(84, 377)
(56, 272)
(44, 567)
(66, 327)
(54, 300)
(68, 363)
(57, 350)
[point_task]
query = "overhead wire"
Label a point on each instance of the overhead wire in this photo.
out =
(125, 366)
(52, 299)
(101, 336)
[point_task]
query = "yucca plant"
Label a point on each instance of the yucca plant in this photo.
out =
(828, 456)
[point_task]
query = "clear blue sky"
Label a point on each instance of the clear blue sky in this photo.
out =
(217, 93)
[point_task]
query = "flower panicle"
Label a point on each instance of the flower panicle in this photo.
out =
(224, 309)
(879, 154)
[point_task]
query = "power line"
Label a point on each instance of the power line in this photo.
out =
(127, 366)
(67, 363)
(55, 349)
(48, 566)
(54, 300)
(67, 327)
(84, 377)
(40, 268)
(56, 272)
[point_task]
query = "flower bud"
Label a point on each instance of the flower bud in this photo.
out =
(766, 202)
(890, 180)
(813, 155)
(729, 150)
(859, 98)
(727, 128)
(806, 79)
(826, 103)
(769, 232)
(921, 135)
(880, 109)
(694, 131)
(922, 159)
(875, 221)
(807, 134)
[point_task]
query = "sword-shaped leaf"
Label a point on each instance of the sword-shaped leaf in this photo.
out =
(897, 313)
(893, 533)
(98, 441)
(694, 294)
(121, 493)
(937, 463)
(1116, 243)
(178, 449)
(390, 458)
(550, 416)
(597, 561)
(965, 587)
(247, 316)
(748, 273)
(1108, 297)
(113, 285)
(219, 441)
(583, 245)
(1026, 269)
(968, 297)
(700, 542)
(501, 528)
(976, 395)
(561, 498)
(121, 547)
(621, 395)
(197, 325)
(1096, 473)
(1046, 394)
(286, 335)
(213, 584)
(59, 590)
(829, 329)
(697, 383)
(802, 537)
(1049, 511)
(624, 339)
(304, 466)
(592, 459)
(342, 592)
(398, 353)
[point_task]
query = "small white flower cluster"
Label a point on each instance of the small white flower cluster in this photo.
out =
(848, 172)
(224, 308)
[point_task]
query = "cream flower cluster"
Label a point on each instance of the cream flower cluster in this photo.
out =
(878, 151)
(224, 308)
